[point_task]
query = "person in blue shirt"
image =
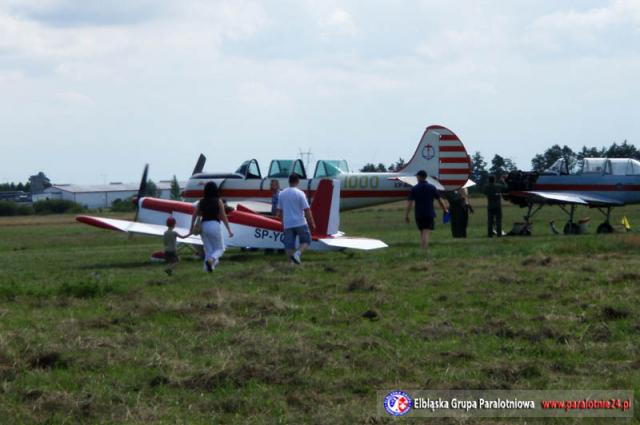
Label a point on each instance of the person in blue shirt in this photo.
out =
(423, 195)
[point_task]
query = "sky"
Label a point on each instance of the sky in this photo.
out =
(91, 90)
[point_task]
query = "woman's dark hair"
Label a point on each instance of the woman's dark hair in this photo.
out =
(211, 190)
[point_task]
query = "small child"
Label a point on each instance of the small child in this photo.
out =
(170, 246)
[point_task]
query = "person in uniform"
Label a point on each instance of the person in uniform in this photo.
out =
(460, 208)
(423, 194)
(493, 192)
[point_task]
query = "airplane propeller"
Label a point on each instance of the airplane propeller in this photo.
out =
(141, 190)
(199, 164)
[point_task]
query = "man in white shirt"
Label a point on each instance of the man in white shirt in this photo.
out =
(297, 219)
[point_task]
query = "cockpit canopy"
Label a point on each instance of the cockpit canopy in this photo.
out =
(560, 167)
(611, 166)
(250, 170)
(330, 168)
(283, 168)
(598, 166)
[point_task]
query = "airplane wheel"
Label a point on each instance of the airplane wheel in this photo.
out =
(605, 228)
(571, 229)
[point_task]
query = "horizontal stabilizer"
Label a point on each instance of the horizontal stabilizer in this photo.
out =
(365, 244)
(413, 180)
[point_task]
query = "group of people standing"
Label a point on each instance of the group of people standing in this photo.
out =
(424, 194)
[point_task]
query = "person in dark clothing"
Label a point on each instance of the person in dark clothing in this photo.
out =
(460, 208)
(423, 194)
(493, 191)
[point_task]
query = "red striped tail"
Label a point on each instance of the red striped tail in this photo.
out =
(325, 207)
(443, 156)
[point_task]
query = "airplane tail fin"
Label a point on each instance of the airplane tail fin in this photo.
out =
(325, 207)
(443, 156)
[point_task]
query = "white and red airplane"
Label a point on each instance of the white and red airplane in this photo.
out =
(440, 153)
(250, 229)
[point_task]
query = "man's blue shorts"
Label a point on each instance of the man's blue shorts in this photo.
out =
(302, 232)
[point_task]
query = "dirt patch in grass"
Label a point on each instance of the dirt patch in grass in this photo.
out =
(625, 277)
(435, 331)
(48, 360)
(372, 314)
(537, 260)
(361, 284)
(612, 313)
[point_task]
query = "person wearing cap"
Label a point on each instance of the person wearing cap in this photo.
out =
(171, 246)
(423, 195)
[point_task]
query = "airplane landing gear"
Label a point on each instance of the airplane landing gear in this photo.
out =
(605, 227)
(571, 228)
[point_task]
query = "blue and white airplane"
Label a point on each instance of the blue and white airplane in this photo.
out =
(602, 183)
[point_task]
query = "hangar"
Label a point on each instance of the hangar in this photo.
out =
(100, 196)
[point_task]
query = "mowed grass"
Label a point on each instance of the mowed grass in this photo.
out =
(92, 332)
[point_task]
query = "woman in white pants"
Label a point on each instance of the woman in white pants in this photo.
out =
(211, 209)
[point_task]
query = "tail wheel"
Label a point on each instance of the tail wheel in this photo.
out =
(605, 228)
(571, 229)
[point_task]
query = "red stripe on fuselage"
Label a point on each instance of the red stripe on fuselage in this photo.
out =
(167, 206)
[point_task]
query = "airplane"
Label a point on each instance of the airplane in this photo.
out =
(250, 229)
(440, 153)
(602, 183)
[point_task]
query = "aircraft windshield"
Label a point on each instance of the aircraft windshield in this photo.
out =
(283, 168)
(250, 169)
(558, 168)
(330, 168)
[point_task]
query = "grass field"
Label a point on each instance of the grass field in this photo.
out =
(92, 332)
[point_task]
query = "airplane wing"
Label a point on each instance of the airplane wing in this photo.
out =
(568, 198)
(135, 227)
(365, 244)
(254, 206)
(413, 180)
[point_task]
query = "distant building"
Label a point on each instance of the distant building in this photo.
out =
(99, 196)
(15, 196)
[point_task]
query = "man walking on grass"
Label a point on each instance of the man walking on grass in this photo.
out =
(297, 219)
(423, 194)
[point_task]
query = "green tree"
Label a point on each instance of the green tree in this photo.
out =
(543, 161)
(623, 150)
(175, 189)
(372, 168)
(501, 165)
(397, 165)
(479, 173)
(151, 189)
(592, 152)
